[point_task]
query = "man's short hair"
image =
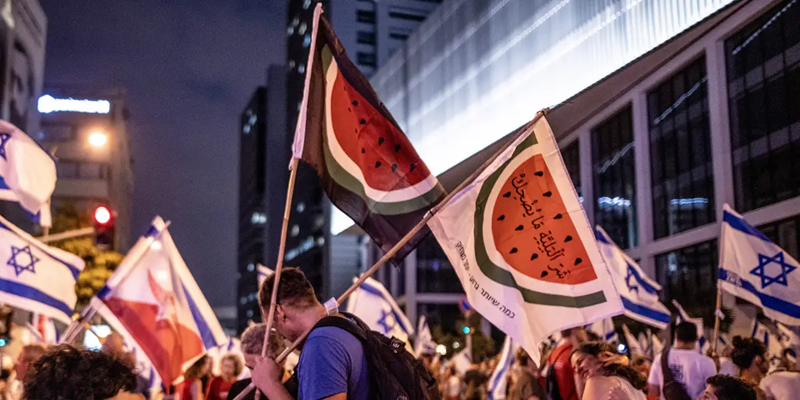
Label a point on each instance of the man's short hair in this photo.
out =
(686, 332)
(294, 290)
(745, 349)
(32, 352)
(253, 340)
(730, 388)
(65, 372)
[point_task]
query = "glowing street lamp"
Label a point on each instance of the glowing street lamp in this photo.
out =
(98, 139)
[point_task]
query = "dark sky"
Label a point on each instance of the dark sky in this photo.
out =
(189, 67)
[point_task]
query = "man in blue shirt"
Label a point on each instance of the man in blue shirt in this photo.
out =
(332, 361)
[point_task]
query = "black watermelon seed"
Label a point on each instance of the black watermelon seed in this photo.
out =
(519, 228)
(380, 141)
(567, 239)
(348, 109)
(558, 216)
(396, 148)
(578, 261)
(508, 194)
(502, 217)
(411, 167)
(355, 102)
(377, 164)
(514, 250)
(394, 167)
(538, 173)
(534, 256)
(363, 122)
(547, 194)
(363, 150)
(544, 273)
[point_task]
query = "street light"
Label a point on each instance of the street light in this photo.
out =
(98, 139)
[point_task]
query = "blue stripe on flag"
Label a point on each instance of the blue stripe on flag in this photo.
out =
(373, 290)
(21, 290)
(501, 374)
(600, 237)
(742, 226)
(643, 283)
(646, 312)
(3, 184)
(767, 301)
(152, 232)
(75, 271)
(205, 332)
(103, 292)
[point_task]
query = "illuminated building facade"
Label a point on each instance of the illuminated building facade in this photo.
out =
(664, 112)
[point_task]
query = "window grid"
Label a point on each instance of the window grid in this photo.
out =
(615, 178)
(785, 233)
(763, 63)
(680, 152)
(688, 275)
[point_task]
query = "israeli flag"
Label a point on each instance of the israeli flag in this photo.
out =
(773, 343)
(424, 342)
(605, 329)
(27, 173)
(639, 294)
(263, 274)
(754, 268)
(36, 277)
(498, 382)
(634, 345)
(375, 306)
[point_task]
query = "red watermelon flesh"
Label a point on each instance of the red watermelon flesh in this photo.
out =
(386, 158)
(533, 231)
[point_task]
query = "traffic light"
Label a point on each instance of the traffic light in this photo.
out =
(104, 227)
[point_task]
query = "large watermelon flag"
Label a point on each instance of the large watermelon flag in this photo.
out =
(367, 166)
(522, 246)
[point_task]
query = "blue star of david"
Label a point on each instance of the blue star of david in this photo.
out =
(632, 286)
(385, 325)
(761, 272)
(20, 265)
(4, 137)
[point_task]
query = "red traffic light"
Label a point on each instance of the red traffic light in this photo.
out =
(102, 215)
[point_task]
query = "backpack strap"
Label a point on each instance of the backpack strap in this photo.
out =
(358, 329)
(665, 371)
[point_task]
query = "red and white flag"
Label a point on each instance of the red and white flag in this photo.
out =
(153, 301)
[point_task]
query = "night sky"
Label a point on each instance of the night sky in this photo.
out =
(189, 67)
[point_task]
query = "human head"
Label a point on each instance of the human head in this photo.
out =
(724, 387)
(29, 354)
(295, 299)
(113, 344)
(685, 334)
(230, 366)
(750, 354)
(641, 365)
(253, 343)
(198, 369)
(65, 372)
(575, 336)
(592, 359)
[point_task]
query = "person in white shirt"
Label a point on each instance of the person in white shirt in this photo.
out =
(781, 385)
(688, 366)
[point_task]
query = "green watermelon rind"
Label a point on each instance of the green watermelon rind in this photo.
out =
(504, 277)
(346, 180)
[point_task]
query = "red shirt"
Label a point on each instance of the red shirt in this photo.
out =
(565, 375)
(218, 388)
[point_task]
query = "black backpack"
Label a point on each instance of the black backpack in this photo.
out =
(394, 373)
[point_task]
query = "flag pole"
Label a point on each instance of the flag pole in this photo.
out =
(716, 320)
(399, 245)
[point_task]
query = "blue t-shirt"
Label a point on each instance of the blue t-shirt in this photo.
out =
(332, 362)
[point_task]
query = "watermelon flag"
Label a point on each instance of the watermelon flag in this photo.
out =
(522, 246)
(367, 166)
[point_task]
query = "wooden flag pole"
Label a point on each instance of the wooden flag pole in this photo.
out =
(399, 245)
(716, 321)
(287, 211)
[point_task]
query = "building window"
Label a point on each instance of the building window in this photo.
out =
(572, 159)
(365, 16)
(763, 81)
(435, 274)
(615, 178)
(785, 233)
(56, 133)
(406, 14)
(81, 170)
(366, 59)
(306, 41)
(680, 152)
(689, 275)
(366, 37)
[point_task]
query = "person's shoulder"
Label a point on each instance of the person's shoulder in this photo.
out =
(331, 333)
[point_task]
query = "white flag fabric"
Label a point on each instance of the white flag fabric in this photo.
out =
(765, 335)
(522, 247)
(754, 268)
(263, 273)
(424, 342)
(375, 306)
(639, 294)
(462, 361)
(498, 382)
(788, 338)
(27, 173)
(37, 277)
(605, 329)
(702, 344)
(634, 346)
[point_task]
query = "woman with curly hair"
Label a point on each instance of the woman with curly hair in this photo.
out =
(231, 366)
(606, 374)
(66, 373)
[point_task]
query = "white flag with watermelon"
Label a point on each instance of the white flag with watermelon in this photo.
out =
(522, 246)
